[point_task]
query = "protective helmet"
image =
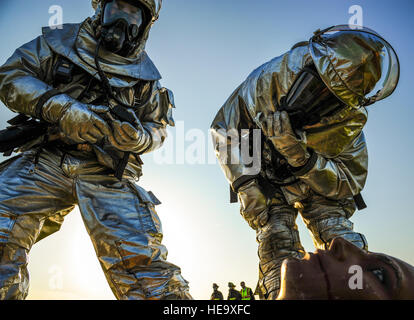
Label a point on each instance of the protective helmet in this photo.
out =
(356, 64)
(215, 286)
(154, 6)
(231, 285)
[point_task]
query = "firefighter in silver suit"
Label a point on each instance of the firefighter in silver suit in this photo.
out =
(309, 106)
(97, 93)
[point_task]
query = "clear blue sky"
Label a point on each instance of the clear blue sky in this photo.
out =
(204, 50)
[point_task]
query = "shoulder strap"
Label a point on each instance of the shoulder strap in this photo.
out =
(62, 73)
(359, 201)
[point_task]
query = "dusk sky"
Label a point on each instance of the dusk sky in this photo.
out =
(204, 50)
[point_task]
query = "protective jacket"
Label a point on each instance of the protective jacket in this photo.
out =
(216, 295)
(338, 169)
(234, 295)
(247, 294)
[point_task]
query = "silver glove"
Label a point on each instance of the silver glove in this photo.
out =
(80, 122)
(129, 138)
(279, 131)
(254, 204)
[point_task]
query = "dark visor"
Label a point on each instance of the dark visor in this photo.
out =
(122, 9)
(310, 99)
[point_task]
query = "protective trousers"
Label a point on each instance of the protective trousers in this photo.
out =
(279, 238)
(37, 188)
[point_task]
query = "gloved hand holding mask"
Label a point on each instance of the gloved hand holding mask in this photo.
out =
(277, 128)
(254, 204)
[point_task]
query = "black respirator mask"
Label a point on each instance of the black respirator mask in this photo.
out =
(309, 100)
(122, 24)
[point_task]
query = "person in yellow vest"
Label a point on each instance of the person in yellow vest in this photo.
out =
(216, 295)
(233, 293)
(246, 292)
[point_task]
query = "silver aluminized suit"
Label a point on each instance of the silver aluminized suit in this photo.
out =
(322, 191)
(45, 181)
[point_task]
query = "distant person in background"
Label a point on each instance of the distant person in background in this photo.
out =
(333, 275)
(246, 293)
(233, 293)
(216, 295)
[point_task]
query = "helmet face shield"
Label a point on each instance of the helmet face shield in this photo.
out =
(116, 10)
(356, 64)
(389, 78)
